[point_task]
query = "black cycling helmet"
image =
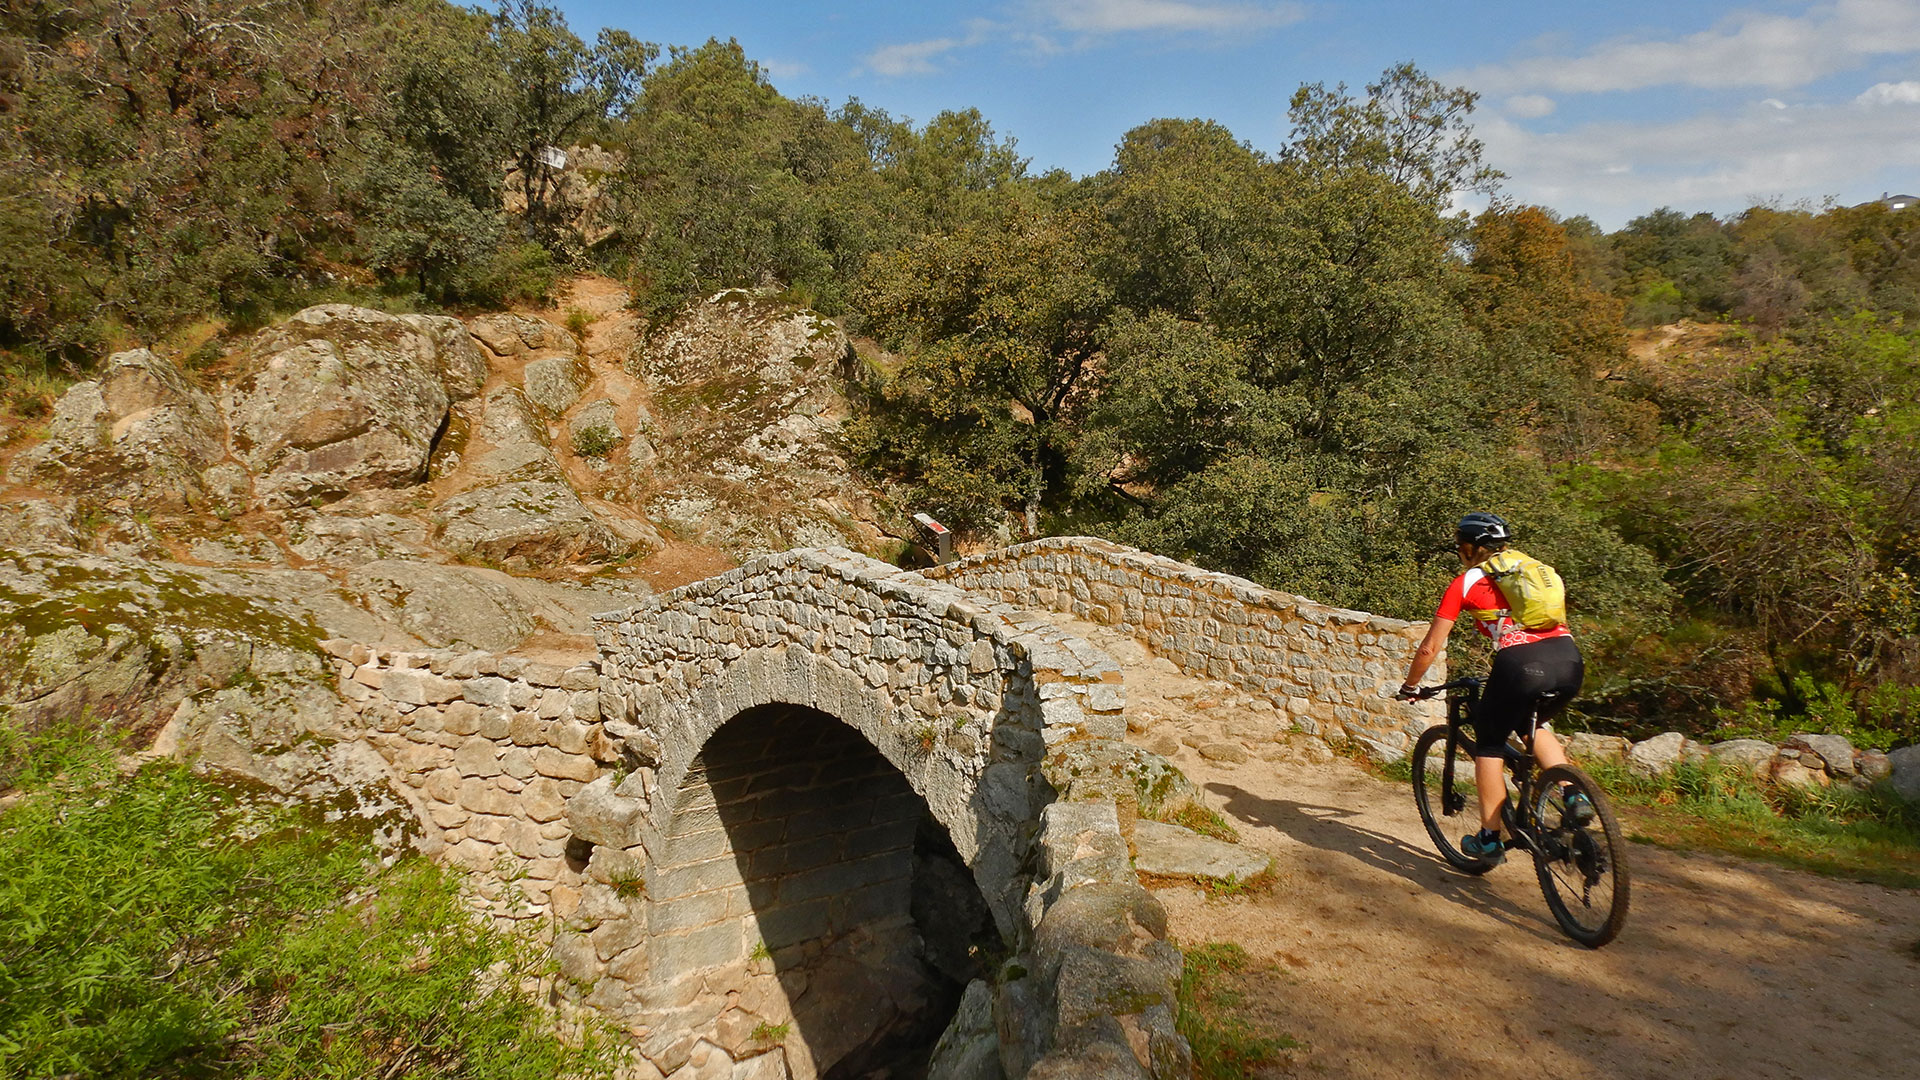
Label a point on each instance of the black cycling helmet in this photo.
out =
(1482, 529)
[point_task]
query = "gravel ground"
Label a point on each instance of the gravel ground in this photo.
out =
(1385, 962)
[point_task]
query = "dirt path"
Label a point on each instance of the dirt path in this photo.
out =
(1384, 962)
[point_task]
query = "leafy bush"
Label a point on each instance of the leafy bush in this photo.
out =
(1885, 717)
(596, 441)
(1836, 830)
(158, 923)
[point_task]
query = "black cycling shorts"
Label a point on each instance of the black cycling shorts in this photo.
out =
(1521, 673)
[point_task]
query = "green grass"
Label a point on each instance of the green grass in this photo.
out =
(770, 1033)
(1203, 820)
(1213, 1019)
(157, 924)
(1836, 831)
(596, 441)
(1257, 883)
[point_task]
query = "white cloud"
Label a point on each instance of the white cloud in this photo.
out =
(783, 69)
(1084, 21)
(1713, 161)
(1745, 49)
(1119, 16)
(1891, 93)
(1774, 103)
(1529, 106)
(917, 57)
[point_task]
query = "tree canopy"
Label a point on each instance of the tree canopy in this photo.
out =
(1298, 363)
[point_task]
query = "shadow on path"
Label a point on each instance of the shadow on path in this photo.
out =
(1332, 829)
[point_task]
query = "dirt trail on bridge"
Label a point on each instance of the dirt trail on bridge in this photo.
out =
(1384, 962)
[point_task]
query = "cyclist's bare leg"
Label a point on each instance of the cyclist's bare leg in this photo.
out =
(1489, 775)
(1547, 751)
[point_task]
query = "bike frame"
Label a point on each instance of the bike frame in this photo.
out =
(1569, 857)
(1462, 696)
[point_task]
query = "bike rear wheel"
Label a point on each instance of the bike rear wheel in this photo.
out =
(1449, 805)
(1582, 866)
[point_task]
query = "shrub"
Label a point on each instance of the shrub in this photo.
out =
(1835, 830)
(1884, 717)
(596, 441)
(158, 923)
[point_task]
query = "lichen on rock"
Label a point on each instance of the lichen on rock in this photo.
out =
(340, 399)
(131, 639)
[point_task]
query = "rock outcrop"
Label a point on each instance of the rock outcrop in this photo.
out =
(141, 433)
(747, 395)
(339, 466)
(127, 641)
(340, 399)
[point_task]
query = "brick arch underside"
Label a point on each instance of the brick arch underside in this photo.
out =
(830, 877)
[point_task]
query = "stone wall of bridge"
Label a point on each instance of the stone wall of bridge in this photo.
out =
(779, 825)
(489, 749)
(840, 787)
(1329, 670)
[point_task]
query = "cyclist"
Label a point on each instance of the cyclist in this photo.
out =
(1526, 664)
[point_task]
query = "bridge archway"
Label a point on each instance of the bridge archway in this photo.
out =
(794, 841)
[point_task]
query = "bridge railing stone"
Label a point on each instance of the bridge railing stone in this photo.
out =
(1330, 669)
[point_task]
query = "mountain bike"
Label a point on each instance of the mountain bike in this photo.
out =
(1581, 862)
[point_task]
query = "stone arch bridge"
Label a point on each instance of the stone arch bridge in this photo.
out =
(810, 814)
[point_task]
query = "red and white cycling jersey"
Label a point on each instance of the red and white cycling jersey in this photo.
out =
(1476, 595)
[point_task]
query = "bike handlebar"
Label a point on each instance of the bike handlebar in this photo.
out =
(1467, 682)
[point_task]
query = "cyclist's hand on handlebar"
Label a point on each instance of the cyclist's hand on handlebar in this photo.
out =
(1410, 693)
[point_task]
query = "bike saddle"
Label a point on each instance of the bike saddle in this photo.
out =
(1549, 704)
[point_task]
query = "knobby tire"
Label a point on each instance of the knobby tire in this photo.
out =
(1582, 870)
(1429, 790)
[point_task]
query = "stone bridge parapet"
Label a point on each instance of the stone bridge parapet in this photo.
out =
(1330, 670)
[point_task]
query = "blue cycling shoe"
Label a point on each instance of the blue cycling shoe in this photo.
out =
(1489, 851)
(1579, 809)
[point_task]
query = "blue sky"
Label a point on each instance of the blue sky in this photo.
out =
(1608, 110)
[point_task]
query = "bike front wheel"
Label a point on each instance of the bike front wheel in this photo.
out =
(1581, 860)
(1448, 798)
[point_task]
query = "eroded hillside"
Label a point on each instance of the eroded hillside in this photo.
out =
(411, 482)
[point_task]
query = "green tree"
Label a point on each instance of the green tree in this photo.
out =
(727, 183)
(560, 92)
(1000, 323)
(1553, 335)
(1409, 130)
(952, 171)
(1667, 252)
(1785, 494)
(1189, 209)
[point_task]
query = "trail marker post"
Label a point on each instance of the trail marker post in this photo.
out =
(942, 538)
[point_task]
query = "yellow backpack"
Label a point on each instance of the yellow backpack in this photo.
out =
(1536, 597)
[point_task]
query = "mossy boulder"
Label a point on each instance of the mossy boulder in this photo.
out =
(1087, 769)
(128, 640)
(340, 399)
(445, 606)
(141, 432)
(527, 525)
